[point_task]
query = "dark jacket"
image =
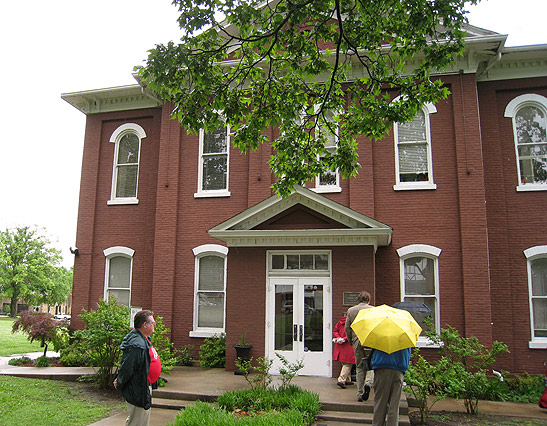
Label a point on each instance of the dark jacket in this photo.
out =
(134, 369)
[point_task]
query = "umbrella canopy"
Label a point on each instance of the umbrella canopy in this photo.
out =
(385, 328)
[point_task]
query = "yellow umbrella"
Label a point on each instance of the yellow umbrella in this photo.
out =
(386, 328)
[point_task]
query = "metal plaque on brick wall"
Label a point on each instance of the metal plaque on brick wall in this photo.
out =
(350, 298)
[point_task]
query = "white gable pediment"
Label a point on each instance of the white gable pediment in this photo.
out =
(346, 226)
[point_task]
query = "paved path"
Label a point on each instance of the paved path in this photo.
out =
(216, 381)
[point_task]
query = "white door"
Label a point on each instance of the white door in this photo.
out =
(298, 324)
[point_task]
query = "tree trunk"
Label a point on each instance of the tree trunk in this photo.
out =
(13, 307)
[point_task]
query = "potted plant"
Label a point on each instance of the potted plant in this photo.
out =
(243, 350)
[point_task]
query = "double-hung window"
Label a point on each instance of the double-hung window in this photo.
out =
(209, 290)
(529, 115)
(413, 159)
(125, 174)
(419, 269)
(213, 172)
(329, 181)
(537, 291)
(118, 274)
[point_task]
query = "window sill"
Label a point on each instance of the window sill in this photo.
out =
(326, 189)
(531, 187)
(205, 334)
(414, 186)
(122, 201)
(537, 344)
(426, 343)
(212, 194)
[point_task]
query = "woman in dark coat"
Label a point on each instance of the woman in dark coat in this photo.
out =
(343, 352)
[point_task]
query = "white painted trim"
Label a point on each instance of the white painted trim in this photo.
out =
(210, 248)
(427, 109)
(531, 254)
(419, 249)
(110, 253)
(430, 252)
(537, 344)
(115, 138)
(201, 193)
(515, 104)
(127, 128)
(511, 111)
(199, 252)
(119, 250)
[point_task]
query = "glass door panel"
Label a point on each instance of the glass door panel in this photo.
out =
(313, 318)
(283, 317)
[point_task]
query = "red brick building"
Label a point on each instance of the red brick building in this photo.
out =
(448, 209)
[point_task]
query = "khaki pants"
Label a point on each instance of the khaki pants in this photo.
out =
(345, 373)
(388, 384)
(138, 416)
(361, 378)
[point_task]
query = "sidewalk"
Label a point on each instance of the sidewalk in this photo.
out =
(217, 381)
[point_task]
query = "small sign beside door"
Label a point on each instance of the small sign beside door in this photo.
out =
(350, 298)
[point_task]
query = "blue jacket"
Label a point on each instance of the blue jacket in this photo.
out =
(396, 361)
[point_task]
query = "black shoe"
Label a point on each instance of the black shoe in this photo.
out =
(342, 385)
(366, 393)
(360, 399)
(349, 383)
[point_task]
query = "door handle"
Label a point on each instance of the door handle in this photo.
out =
(295, 332)
(301, 333)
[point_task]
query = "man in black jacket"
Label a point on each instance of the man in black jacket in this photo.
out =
(134, 370)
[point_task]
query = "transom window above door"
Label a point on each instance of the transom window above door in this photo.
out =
(302, 261)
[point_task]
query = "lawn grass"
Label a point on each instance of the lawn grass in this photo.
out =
(38, 402)
(15, 343)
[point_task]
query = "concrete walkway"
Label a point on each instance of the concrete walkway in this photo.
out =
(213, 382)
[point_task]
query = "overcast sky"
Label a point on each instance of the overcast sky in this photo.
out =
(59, 46)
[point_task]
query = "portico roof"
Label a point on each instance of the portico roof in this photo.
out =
(304, 218)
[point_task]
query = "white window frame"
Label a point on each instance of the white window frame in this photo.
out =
(513, 107)
(199, 252)
(115, 138)
(433, 253)
(117, 251)
(532, 254)
(319, 188)
(427, 109)
(201, 193)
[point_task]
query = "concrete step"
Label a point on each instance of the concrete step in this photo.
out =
(334, 414)
(334, 418)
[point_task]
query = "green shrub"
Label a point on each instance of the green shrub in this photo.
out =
(42, 362)
(77, 354)
(106, 328)
(262, 377)
(19, 361)
(467, 363)
(164, 346)
(260, 399)
(212, 354)
(525, 387)
(203, 413)
(184, 356)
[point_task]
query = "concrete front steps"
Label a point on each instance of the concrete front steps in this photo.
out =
(334, 413)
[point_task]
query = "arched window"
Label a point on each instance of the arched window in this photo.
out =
(413, 159)
(118, 274)
(125, 174)
(529, 115)
(419, 271)
(209, 290)
(537, 292)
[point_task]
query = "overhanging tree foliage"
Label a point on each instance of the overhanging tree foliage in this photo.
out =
(312, 68)
(28, 265)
